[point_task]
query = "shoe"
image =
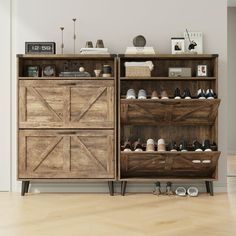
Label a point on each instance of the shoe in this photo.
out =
(201, 94)
(157, 190)
(177, 94)
(192, 191)
(164, 95)
(138, 146)
(210, 94)
(130, 94)
(161, 147)
(168, 189)
(127, 146)
(172, 146)
(197, 146)
(207, 145)
(183, 146)
(154, 95)
(186, 94)
(142, 94)
(150, 145)
(181, 191)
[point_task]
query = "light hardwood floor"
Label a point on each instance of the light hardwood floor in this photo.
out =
(132, 215)
(231, 163)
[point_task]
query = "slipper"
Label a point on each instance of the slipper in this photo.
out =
(181, 191)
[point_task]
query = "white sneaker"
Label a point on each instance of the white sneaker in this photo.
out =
(130, 94)
(142, 94)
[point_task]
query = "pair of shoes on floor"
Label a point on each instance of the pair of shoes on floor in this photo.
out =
(209, 94)
(157, 190)
(205, 146)
(186, 94)
(132, 95)
(191, 191)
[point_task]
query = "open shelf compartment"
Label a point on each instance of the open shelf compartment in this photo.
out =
(169, 165)
(171, 111)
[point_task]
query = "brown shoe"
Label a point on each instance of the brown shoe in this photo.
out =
(138, 146)
(154, 95)
(164, 95)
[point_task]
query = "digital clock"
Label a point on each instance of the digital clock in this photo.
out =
(40, 48)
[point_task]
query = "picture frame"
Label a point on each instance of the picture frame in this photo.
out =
(48, 71)
(32, 71)
(178, 45)
(202, 71)
(196, 38)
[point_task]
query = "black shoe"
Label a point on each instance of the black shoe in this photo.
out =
(127, 146)
(207, 145)
(183, 146)
(177, 94)
(157, 190)
(168, 188)
(197, 146)
(138, 146)
(201, 94)
(210, 94)
(186, 94)
(172, 146)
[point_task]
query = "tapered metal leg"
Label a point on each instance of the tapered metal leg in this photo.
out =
(24, 187)
(211, 188)
(207, 186)
(123, 187)
(27, 186)
(111, 187)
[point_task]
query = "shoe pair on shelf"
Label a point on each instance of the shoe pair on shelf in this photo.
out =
(191, 191)
(132, 95)
(208, 95)
(157, 189)
(172, 146)
(186, 94)
(138, 147)
(205, 146)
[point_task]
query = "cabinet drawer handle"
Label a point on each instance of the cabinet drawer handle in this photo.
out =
(66, 132)
(67, 84)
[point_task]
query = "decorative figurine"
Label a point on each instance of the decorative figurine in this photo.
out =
(74, 37)
(62, 40)
(97, 72)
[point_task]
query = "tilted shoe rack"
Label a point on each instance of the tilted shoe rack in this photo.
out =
(168, 119)
(66, 125)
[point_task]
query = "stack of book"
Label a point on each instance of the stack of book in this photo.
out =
(94, 51)
(139, 50)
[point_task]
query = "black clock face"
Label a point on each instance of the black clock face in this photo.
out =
(49, 71)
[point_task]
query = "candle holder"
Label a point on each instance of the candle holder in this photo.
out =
(62, 40)
(74, 37)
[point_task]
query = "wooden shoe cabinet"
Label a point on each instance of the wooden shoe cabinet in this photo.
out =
(66, 125)
(169, 119)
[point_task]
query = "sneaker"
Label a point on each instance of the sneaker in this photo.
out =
(183, 146)
(197, 146)
(154, 95)
(142, 94)
(150, 145)
(168, 189)
(138, 146)
(192, 191)
(164, 95)
(207, 145)
(172, 146)
(201, 94)
(161, 147)
(181, 191)
(127, 146)
(210, 94)
(157, 190)
(130, 94)
(177, 94)
(186, 94)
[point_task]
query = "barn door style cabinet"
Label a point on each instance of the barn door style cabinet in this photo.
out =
(169, 119)
(66, 125)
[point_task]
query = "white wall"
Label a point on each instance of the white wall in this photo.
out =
(5, 97)
(117, 22)
(231, 115)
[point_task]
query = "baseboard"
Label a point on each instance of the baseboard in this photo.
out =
(231, 152)
(103, 187)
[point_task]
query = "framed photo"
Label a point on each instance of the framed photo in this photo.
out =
(194, 42)
(177, 45)
(202, 70)
(48, 71)
(32, 71)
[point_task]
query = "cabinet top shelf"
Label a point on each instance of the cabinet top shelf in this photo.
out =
(169, 78)
(170, 56)
(66, 56)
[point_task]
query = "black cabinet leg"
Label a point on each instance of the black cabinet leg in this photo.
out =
(207, 186)
(111, 187)
(24, 187)
(211, 188)
(123, 187)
